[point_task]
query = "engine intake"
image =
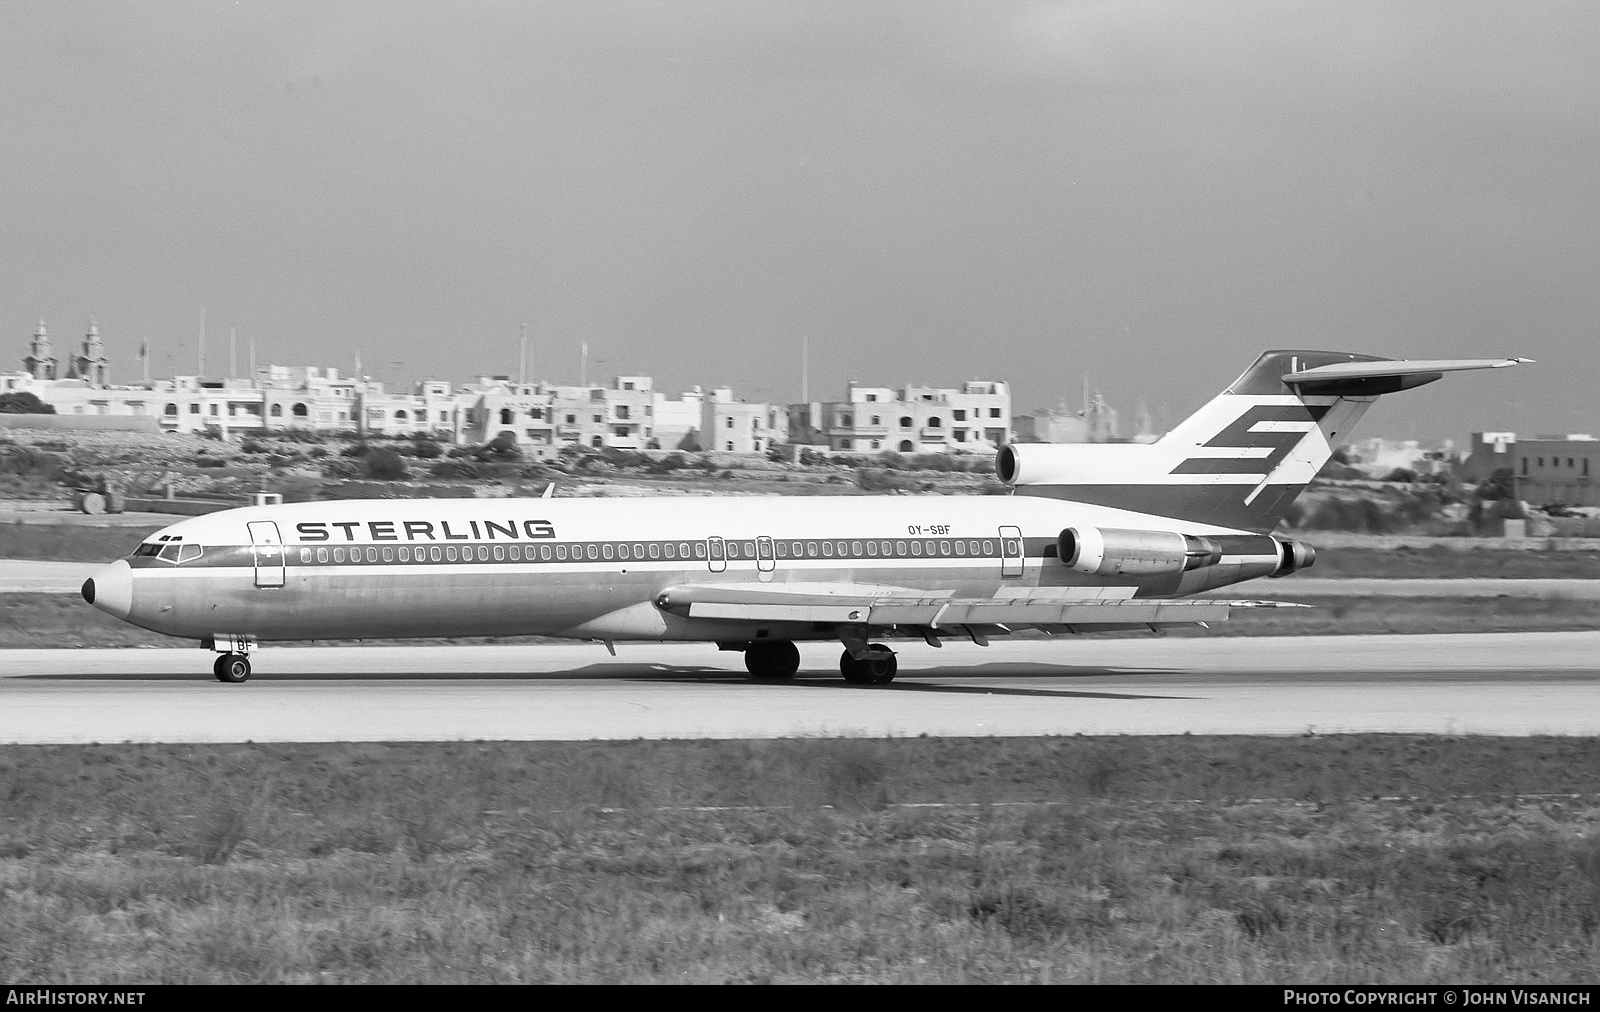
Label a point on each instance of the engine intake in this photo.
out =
(1115, 551)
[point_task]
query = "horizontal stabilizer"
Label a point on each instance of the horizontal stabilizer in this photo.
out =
(1383, 376)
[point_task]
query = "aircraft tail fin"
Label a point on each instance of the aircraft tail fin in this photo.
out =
(1243, 458)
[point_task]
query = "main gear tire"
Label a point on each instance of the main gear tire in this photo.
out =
(772, 661)
(877, 670)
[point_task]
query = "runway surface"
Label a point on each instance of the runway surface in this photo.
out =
(25, 576)
(1509, 684)
(1298, 586)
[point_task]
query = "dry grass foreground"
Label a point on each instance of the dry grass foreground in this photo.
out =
(1081, 859)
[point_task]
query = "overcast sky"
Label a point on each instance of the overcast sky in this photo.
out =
(1148, 194)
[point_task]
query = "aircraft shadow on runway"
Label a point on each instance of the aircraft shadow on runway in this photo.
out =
(704, 675)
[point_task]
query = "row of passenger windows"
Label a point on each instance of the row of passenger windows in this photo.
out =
(670, 550)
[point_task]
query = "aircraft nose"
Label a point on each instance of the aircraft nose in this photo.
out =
(111, 589)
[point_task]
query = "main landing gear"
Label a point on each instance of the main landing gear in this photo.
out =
(876, 666)
(233, 668)
(772, 660)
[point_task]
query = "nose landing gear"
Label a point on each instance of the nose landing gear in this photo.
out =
(233, 661)
(232, 668)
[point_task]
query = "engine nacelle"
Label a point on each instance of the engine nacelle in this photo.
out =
(1293, 556)
(1115, 551)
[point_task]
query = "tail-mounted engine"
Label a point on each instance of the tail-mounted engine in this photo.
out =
(1293, 556)
(1113, 551)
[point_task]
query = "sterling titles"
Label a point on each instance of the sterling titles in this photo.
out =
(424, 530)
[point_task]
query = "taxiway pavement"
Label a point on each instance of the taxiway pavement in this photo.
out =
(1509, 684)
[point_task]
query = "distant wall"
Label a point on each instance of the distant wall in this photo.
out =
(118, 423)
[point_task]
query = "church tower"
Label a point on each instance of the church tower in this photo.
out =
(90, 364)
(39, 362)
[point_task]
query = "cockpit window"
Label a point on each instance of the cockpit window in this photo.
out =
(145, 551)
(188, 553)
(169, 551)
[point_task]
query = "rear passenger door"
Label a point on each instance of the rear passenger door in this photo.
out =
(1010, 552)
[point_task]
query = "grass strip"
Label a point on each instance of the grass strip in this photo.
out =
(1366, 858)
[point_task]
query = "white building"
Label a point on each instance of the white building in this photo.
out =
(975, 416)
(734, 426)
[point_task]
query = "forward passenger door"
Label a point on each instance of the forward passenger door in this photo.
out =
(267, 548)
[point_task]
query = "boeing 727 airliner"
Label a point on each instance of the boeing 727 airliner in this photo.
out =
(1095, 537)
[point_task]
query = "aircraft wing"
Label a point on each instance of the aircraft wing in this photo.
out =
(882, 607)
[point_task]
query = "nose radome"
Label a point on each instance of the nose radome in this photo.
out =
(111, 589)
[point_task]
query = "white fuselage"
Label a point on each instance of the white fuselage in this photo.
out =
(593, 568)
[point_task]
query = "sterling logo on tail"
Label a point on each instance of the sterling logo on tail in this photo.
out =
(1276, 437)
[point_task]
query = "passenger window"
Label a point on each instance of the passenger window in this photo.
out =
(782, 549)
(433, 553)
(593, 552)
(388, 555)
(607, 551)
(655, 550)
(500, 553)
(699, 549)
(322, 555)
(338, 555)
(900, 548)
(855, 548)
(450, 553)
(638, 551)
(305, 555)
(827, 549)
(988, 548)
(916, 548)
(961, 548)
(405, 555)
(811, 549)
(483, 553)
(944, 548)
(670, 550)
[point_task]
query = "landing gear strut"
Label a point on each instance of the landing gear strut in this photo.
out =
(772, 660)
(876, 668)
(232, 668)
